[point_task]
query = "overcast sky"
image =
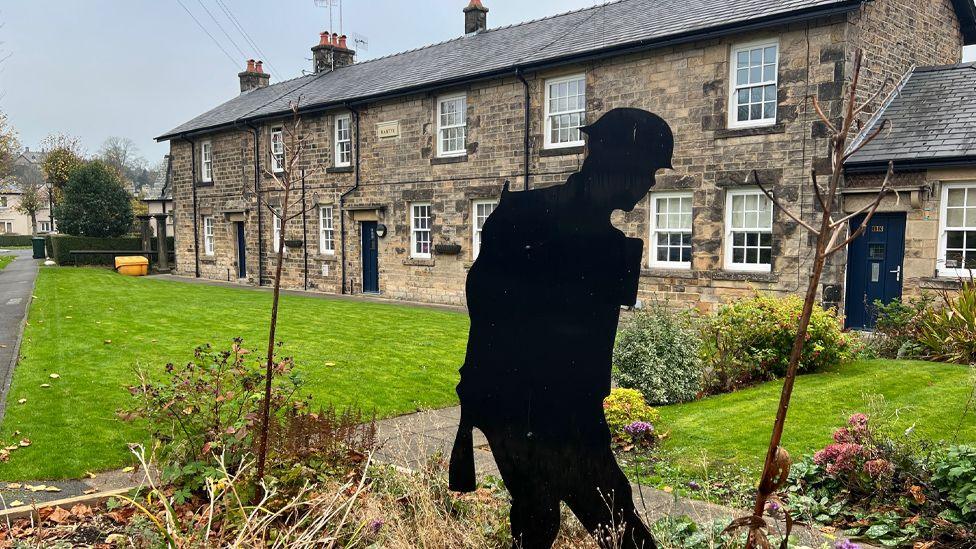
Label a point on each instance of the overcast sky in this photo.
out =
(136, 68)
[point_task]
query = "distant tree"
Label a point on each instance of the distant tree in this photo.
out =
(94, 203)
(29, 182)
(9, 147)
(122, 154)
(64, 156)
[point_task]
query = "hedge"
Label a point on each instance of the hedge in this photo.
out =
(59, 248)
(15, 240)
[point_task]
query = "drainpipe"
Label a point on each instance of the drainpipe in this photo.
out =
(193, 186)
(342, 201)
(304, 232)
(525, 133)
(257, 194)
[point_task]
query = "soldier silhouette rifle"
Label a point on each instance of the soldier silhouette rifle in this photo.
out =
(544, 298)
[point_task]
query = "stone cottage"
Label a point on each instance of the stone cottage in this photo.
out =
(417, 146)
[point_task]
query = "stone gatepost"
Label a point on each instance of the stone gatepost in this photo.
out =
(145, 231)
(162, 264)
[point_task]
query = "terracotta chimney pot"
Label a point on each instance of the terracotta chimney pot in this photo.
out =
(324, 39)
(258, 67)
(250, 65)
(342, 41)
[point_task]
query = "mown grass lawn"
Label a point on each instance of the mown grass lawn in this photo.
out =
(391, 358)
(5, 260)
(734, 428)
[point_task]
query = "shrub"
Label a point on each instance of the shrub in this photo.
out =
(15, 240)
(623, 408)
(94, 203)
(750, 340)
(954, 475)
(896, 326)
(948, 333)
(658, 353)
(59, 248)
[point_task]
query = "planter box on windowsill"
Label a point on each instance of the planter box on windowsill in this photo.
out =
(419, 261)
(746, 276)
(447, 249)
(563, 151)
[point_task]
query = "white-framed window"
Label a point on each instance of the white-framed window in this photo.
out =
(752, 84)
(208, 235)
(206, 162)
(420, 230)
(276, 231)
(452, 125)
(957, 230)
(671, 230)
(481, 209)
(343, 140)
(44, 226)
(748, 230)
(565, 111)
(278, 149)
(326, 231)
(6, 227)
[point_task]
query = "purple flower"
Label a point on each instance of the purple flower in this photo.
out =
(639, 430)
(694, 485)
(846, 544)
(375, 525)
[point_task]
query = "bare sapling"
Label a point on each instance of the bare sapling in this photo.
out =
(833, 235)
(287, 169)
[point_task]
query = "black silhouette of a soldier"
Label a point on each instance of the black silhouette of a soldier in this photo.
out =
(544, 299)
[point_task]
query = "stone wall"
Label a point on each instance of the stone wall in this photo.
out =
(688, 85)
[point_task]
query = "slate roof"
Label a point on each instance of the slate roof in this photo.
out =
(616, 25)
(932, 118)
(160, 189)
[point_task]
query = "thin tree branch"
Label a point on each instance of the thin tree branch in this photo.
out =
(780, 205)
(874, 208)
(871, 137)
(872, 97)
(817, 190)
(823, 117)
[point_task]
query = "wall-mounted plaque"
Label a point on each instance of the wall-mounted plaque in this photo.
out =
(386, 130)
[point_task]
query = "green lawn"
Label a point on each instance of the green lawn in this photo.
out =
(5, 260)
(734, 428)
(390, 358)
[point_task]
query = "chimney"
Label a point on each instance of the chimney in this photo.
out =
(253, 76)
(331, 53)
(475, 17)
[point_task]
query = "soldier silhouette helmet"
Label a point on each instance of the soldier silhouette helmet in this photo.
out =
(631, 141)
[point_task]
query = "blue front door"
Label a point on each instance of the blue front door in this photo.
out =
(371, 268)
(874, 266)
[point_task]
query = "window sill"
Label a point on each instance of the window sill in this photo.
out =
(942, 282)
(205, 183)
(725, 133)
(438, 160)
(339, 169)
(209, 260)
(419, 261)
(562, 151)
(662, 272)
(747, 276)
(326, 257)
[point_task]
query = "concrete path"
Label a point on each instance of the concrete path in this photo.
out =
(16, 288)
(411, 439)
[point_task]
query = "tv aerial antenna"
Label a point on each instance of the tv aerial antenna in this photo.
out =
(333, 6)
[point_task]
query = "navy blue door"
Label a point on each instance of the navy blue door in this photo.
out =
(874, 266)
(371, 274)
(241, 251)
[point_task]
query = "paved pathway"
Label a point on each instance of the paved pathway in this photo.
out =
(16, 287)
(410, 439)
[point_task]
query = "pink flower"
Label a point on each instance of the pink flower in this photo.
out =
(839, 457)
(876, 468)
(858, 422)
(843, 435)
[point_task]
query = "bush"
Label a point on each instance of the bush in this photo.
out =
(750, 340)
(955, 476)
(59, 248)
(948, 333)
(94, 203)
(623, 408)
(15, 240)
(896, 327)
(658, 353)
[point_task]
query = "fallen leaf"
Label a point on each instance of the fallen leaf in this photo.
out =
(17, 503)
(89, 474)
(90, 491)
(59, 516)
(38, 488)
(14, 486)
(128, 469)
(25, 442)
(22, 401)
(81, 510)
(67, 317)
(107, 341)
(117, 540)
(55, 376)
(45, 385)
(4, 455)
(330, 363)
(52, 489)
(13, 447)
